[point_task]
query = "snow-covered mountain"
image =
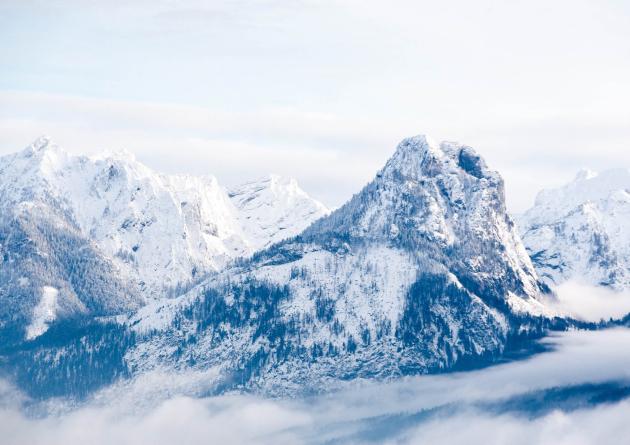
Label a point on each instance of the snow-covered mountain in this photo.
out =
(581, 231)
(50, 271)
(422, 270)
(274, 208)
(156, 233)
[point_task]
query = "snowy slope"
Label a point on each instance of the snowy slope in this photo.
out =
(274, 208)
(421, 270)
(158, 233)
(44, 313)
(165, 230)
(581, 231)
(160, 230)
(41, 249)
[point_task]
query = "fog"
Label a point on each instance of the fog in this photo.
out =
(604, 424)
(588, 302)
(508, 403)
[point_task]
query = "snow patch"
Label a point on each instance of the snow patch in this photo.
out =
(44, 313)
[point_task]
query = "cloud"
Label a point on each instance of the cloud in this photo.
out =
(604, 424)
(588, 302)
(228, 420)
(450, 408)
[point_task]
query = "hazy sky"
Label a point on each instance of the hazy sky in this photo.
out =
(321, 90)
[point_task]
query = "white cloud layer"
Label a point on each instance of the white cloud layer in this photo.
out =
(364, 412)
(600, 425)
(588, 302)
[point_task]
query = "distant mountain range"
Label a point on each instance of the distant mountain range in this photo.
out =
(581, 231)
(109, 234)
(111, 270)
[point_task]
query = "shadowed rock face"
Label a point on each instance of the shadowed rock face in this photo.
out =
(470, 162)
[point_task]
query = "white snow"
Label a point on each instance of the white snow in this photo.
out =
(274, 208)
(44, 313)
(367, 286)
(427, 212)
(582, 230)
(166, 232)
(533, 306)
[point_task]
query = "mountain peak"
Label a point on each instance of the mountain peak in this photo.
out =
(418, 142)
(43, 142)
(270, 180)
(419, 156)
(283, 181)
(587, 186)
(282, 187)
(40, 147)
(432, 198)
(585, 174)
(273, 206)
(411, 155)
(162, 230)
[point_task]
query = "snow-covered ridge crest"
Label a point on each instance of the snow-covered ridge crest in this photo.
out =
(273, 208)
(162, 231)
(582, 230)
(588, 186)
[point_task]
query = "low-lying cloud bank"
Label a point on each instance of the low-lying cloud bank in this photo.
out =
(599, 425)
(588, 302)
(576, 394)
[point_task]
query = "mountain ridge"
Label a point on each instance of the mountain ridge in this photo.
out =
(421, 271)
(580, 231)
(352, 298)
(158, 233)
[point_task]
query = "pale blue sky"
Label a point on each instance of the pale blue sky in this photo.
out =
(321, 90)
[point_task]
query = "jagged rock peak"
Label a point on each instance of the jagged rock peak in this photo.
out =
(430, 199)
(117, 155)
(420, 156)
(42, 150)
